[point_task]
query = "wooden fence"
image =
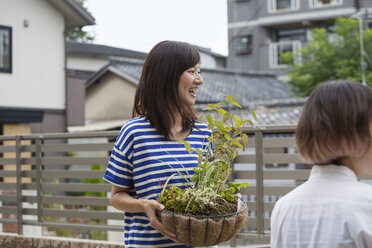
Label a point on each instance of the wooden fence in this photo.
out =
(55, 179)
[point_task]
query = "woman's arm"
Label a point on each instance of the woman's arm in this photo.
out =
(120, 199)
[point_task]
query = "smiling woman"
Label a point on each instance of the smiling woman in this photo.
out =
(162, 115)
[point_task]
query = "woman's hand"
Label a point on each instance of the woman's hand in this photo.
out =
(120, 199)
(150, 207)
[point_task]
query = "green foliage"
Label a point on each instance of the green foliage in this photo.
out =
(209, 181)
(330, 57)
(77, 34)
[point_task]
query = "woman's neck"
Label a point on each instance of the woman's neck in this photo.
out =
(177, 132)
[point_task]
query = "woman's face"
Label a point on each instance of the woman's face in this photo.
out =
(189, 83)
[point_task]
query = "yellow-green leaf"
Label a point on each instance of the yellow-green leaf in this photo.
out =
(254, 115)
(235, 103)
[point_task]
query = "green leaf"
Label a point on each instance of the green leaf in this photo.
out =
(254, 115)
(237, 144)
(218, 104)
(221, 111)
(227, 96)
(235, 103)
(209, 119)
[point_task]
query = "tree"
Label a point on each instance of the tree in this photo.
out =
(77, 34)
(330, 56)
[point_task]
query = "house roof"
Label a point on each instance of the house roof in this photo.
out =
(74, 47)
(209, 51)
(256, 91)
(245, 87)
(75, 14)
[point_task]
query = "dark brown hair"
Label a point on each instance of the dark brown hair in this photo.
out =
(157, 92)
(335, 122)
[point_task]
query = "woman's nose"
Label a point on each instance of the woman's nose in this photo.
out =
(198, 79)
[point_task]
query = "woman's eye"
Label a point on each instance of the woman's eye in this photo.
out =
(191, 71)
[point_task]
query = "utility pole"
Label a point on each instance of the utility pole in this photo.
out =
(363, 64)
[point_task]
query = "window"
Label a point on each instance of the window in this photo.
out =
(291, 34)
(277, 48)
(324, 3)
(282, 5)
(5, 49)
(243, 44)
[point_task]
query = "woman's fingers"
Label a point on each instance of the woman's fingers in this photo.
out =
(154, 222)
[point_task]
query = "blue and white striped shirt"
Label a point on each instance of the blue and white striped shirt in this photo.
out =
(142, 160)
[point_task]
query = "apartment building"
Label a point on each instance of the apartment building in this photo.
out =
(260, 30)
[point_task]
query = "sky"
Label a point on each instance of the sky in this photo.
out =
(140, 24)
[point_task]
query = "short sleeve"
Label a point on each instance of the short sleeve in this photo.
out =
(119, 170)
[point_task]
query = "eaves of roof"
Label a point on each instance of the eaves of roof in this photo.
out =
(75, 14)
(109, 68)
(74, 47)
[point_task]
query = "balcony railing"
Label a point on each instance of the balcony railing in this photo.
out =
(51, 180)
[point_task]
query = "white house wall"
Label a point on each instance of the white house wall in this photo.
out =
(38, 78)
(110, 99)
(85, 63)
(207, 61)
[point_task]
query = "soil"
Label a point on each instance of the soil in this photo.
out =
(221, 207)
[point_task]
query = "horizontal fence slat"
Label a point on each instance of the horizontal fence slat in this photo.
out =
(244, 174)
(287, 174)
(5, 161)
(86, 200)
(7, 149)
(8, 198)
(277, 190)
(251, 143)
(76, 187)
(75, 225)
(365, 177)
(77, 147)
(268, 190)
(268, 206)
(8, 221)
(279, 142)
(7, 173)
(247, 158)
(61, 136)
(75, 174)
(8, 210)
(254, 236)
(87, 214)
(250, 190)
(28, 148)
(74, 160)
(282, 159)
(73, 200)
(8, 186)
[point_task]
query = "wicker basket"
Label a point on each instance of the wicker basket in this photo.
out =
(203, 230)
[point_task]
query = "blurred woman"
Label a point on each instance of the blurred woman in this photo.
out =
(332, 208)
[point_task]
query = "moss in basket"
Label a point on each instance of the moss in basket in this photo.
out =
(207, 192)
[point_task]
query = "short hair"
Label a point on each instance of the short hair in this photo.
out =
(156, 95)
(335, 122)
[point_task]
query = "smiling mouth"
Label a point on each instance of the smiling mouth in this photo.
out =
(193, 91)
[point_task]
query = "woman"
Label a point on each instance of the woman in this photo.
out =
(331, 209)
(147, 150)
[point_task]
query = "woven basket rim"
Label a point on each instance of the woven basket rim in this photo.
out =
(207, 216)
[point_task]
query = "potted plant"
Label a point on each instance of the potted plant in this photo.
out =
(208, 211)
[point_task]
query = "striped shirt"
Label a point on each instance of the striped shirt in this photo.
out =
(142, 161)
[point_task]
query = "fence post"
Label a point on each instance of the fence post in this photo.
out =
(19, 184)
(38, 179)
(259, 182)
